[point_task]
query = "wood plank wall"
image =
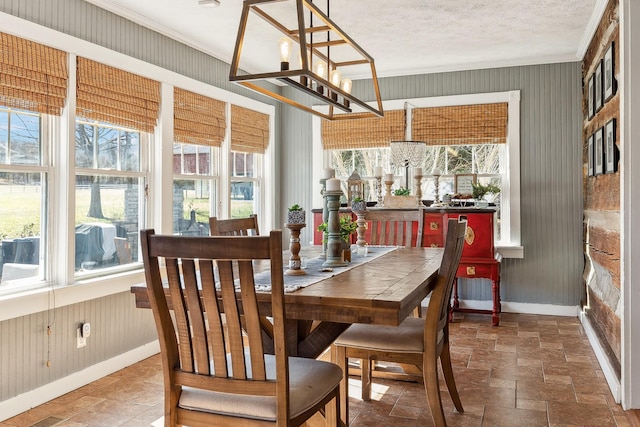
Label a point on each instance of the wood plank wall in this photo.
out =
(602, 199)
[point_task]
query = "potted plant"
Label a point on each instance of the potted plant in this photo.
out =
(401, 198)
(358, 204)
(401, 192)
(480, 193)
(296, 215)
(347, 227)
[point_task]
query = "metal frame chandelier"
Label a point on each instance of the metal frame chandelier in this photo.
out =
(318, 74)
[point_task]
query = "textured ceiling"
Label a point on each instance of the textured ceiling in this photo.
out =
(403, 36)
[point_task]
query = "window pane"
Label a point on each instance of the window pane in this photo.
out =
(204, 160)
(129, 151)
(488, 158)
(238, 165)
(189, 158)
(106, 208)
(84, 145)
(459, 159)
(4, 137)
(191, 206)
(108, 148)
(24, 139)
(20, 236)
(242, 199)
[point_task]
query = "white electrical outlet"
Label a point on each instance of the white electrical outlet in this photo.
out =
(82, 341)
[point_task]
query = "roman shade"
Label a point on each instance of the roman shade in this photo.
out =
(115, 96)
(249, 130)
(460, 124)
(370, 132)
(198, 119)
(32, 76)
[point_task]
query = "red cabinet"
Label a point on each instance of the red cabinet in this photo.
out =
(479, 257)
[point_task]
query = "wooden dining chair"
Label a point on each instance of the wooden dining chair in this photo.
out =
(388, 227)
(214, 377)
(234, 227)
(419, 342)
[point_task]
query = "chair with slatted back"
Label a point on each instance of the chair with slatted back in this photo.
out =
(419, 342)
(234, 227)
(389, 227)
(214, 377)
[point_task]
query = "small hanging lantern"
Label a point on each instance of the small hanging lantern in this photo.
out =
(355, 186)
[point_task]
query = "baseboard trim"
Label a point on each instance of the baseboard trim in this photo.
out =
(607, 369)
(524, 308)
(25, 401)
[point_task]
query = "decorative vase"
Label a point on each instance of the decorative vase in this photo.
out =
(358, 206)
(296, 217)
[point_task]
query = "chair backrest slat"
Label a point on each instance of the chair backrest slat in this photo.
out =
(181, 313)
(195, 317)
(203, 275)
(394, 227)
(235, 344)
(214, 319)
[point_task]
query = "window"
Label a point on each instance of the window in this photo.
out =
(195, 191)
(496, 163)
(23, 191)
(110, 202)
(245, 184)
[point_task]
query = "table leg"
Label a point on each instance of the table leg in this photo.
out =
(497, 306)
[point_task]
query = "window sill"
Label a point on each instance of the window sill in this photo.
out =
(515, 251)
(37, 300)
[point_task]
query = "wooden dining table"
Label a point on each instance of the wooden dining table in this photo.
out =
(382, 291)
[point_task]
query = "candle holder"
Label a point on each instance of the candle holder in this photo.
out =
(334, 241)
(325, 216)
(362, 227)
(388, 185)
(418, 179)
(294, 246)
(436, 183)
(378, 184)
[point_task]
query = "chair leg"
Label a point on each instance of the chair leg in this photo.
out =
(332, 412)
(365, 368)
(339, 356)
(430, 373)
(445, 360)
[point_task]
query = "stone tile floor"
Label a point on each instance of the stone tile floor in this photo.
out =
(532, 370)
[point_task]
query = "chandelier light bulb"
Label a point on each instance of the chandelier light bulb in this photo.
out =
(285, 52)
(346, 85)
(321, 69)
(335, 78)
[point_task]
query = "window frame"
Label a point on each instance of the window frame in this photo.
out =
(44, 168)
(68, 288)
(142, 174)
(510, 244)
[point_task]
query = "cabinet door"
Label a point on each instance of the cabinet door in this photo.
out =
(478, 242)
(433, 231)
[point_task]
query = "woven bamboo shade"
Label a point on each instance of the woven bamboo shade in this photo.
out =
(460, 124)
(198, 119)
(363, 132)
(249, 130)
(32, 76)
(111, 95)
